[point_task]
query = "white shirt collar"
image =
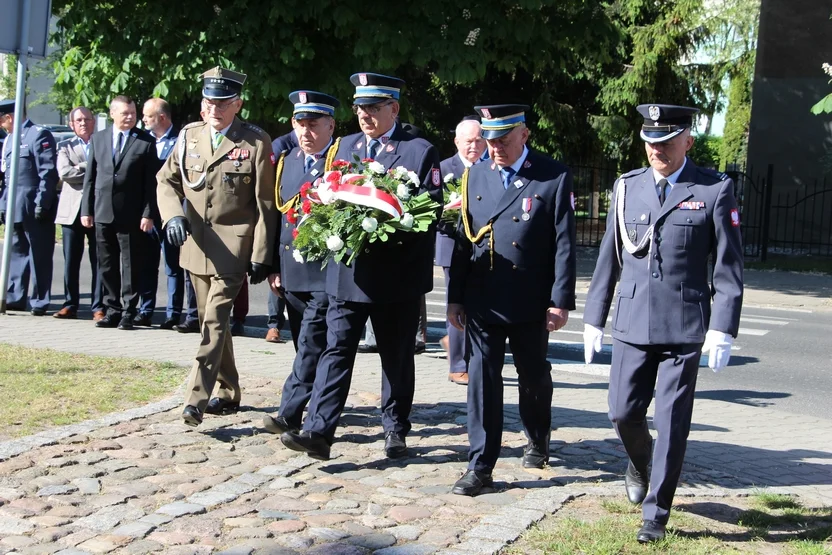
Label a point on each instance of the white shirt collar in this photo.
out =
(164, 135)
(318, 155)
(382, 138)
(465, 162)
(519, 162)
(673, 177)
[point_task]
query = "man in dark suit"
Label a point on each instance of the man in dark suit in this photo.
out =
(384, 283)
(33, 216)
(156, 117)
(665, 223)
(512, 277)
(470, 147)
(72, 166)
(301, 283)
(119, 189)
(277, 304)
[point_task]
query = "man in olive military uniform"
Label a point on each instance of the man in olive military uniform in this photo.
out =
(512, 277)
(301, 283)
(224, 170)
(665, 223)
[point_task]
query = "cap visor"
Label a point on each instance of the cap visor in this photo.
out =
(658, 136)
(307, 115)
(217, 94)
(496, 133)
(366, 100)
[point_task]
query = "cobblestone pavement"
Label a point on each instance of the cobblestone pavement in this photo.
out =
(142, 482)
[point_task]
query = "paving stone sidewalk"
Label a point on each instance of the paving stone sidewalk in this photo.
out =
(142, 482)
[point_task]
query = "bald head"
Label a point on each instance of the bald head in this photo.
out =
(156, 116)
(468, 140)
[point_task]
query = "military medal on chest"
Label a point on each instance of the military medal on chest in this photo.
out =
(527, 207)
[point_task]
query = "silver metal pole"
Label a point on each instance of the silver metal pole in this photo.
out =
(11, 175)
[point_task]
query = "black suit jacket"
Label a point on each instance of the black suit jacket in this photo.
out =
(123, 190)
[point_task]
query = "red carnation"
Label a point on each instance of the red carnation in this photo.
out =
(305, 187)
(333, 177)
(292, 217)
(338, 164)
(295, 233)
(307, 207)
(367, 160)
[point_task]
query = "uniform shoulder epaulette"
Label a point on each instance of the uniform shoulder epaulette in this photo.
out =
(194, 124)
(633, 173)
(713, 173)
(254, 128)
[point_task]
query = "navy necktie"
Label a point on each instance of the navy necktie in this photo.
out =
(662, 184)
(310, 160)
(372, 148)
(508, 173)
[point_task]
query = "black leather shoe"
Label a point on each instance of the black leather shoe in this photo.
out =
(472, 483)
(313, 444)
(364, 348)
(536, 455)
(222, 406)
(16, 307)
(192, 416)
(169, 324)
(126, 323)
(190, 326)
(636, 483)
(142, 320)
(395, 447)
(110, 320)
(651, 531)
(38, 311)
(277, 424)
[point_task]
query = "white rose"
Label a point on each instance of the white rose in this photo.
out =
(297, 256)
(403, 191)
(448, 178)
(400, 172)
(414, 179)
(326, 195)
(377, 168)
(407, 220)
(334, 243)
(369, 224)
(453, 198)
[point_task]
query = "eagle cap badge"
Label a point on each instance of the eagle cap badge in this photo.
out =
(654, 112)
(302, 97)
(362, 78)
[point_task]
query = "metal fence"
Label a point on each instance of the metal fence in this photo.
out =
(592, 185)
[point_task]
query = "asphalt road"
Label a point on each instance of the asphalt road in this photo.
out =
(780, 359)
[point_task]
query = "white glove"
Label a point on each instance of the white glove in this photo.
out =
(719, 346)
(593, 338)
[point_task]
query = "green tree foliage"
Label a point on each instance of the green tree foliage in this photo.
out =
(706, 150)
(577, 63)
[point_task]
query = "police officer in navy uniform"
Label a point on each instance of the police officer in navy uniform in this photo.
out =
(512, 277)
(384, 283)
(301, 283)
(470, 147)
(33, 215)
(664, 225)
